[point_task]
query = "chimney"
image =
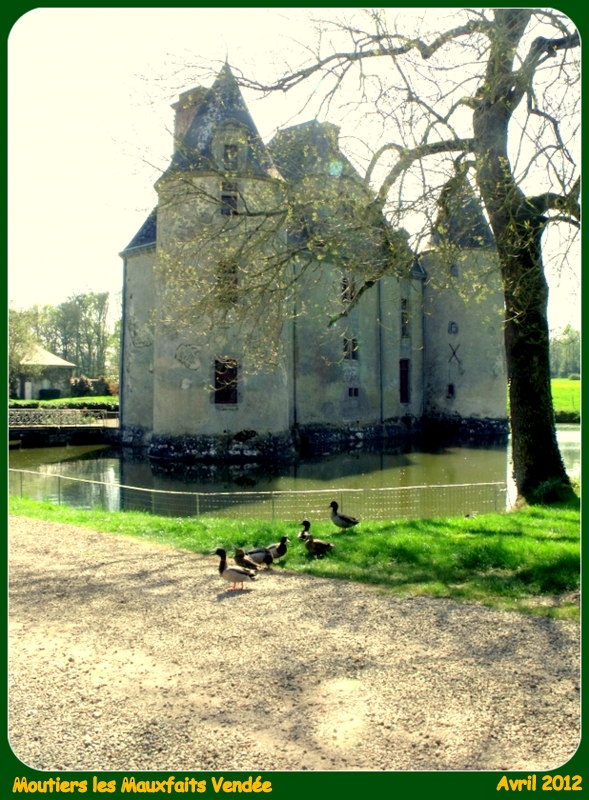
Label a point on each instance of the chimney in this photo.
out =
(185, 109)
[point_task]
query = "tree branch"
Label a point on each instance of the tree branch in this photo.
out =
(408, 157)
(373, 47)
(567, 203)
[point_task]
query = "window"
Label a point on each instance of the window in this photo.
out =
(350, 348)
(227, 282)
(229, 195)
(451, 391)
(352, 391)
(348, 290)
(452, 327)
(404, 318)
(453, 269)
(230, 157)
(404, 390)
(225, 381)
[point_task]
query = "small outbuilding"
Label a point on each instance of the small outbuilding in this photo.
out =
(44, 376)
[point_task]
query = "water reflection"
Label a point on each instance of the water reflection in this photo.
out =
(403, 467)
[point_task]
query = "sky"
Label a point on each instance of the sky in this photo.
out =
(89, 130)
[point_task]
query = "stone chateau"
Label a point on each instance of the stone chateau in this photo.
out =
(376, 344)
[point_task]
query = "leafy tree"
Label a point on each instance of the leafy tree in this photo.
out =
(494, 96)
(21, 340)
(565, 353)
(76, 330)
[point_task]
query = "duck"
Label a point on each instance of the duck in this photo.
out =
(341, 520)
(305, 532)
(234, 574)
(278, 549)
(260, 555)
(317, 547)
(242, 560)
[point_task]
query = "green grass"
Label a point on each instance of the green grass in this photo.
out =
(527, 560)
(566, 399)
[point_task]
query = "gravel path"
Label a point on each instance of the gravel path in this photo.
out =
(128, 656)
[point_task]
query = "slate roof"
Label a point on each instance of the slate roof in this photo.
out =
(223, 103)
(460, 220)
(146, 235)
(310, 148)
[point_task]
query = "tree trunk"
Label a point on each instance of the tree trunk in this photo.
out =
(538, 468)
(517, 226)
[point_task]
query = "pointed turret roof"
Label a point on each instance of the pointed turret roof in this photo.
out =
(221, 105)
(460, 220)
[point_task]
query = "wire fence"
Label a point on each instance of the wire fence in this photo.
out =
(407, 502)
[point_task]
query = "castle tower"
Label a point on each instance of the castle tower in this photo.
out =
(464, 372)
(182, 375)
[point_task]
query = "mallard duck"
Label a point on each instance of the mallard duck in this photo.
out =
(235, 575)
(260, 555)
(341, 520)
(305, 532)
(242, 560)
(317, 547)
(278, 549)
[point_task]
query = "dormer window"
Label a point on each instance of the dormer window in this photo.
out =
(230, 157)
(230, 147)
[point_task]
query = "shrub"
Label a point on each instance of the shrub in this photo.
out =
(81, 387)
(49, 394)
(574, 376)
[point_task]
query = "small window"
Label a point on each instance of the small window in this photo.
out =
(451, 391)
(452, 327)
(353, 391)
(229, 195)
(454, 269)
(227, 282)
(230, 157)
(226, 381)
(404, 318)
(350, 348)
(404, 385)
(348, 290)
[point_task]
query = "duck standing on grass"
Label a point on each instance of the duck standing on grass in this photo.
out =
(305, 532)
(316, 547)
(341, 520)
(278, 549)
(234, 574)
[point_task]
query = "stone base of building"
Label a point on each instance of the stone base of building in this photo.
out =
(465, 431)
(179, 453)
(241, 447)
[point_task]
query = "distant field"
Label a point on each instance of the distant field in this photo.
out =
(566, 396)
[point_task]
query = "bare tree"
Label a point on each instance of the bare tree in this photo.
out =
(496, 96)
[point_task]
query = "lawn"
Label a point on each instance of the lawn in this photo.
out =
(527, 560)
(566, 398)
